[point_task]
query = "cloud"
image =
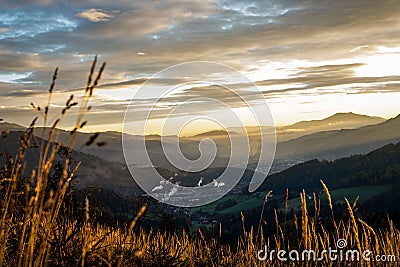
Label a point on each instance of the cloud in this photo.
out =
(24, 3)
(330, 37)
(12, 77)
(23, 24)
(355, 49)
(94, 15)
(13, 62)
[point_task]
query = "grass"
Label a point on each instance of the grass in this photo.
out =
(361, 193)
(245, 202)
(243, 205)
(36, 229)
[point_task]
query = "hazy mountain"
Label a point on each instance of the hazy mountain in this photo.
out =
(320, 144)
(335, 122)
(340, 143)
(215, 133)
(99, 173)
(113, 152)
(299, 150)
(93, 171)
(11, 127)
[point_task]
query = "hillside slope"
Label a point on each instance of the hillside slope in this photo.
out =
(93, 171)
(379, 167)
(340, 143)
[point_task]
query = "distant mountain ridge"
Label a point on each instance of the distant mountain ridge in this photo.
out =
(213, 133)
(322, 144)
(346, 117)
(337, 121)
(341, 143)
(342, 120)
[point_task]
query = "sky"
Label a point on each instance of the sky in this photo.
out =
(310, 59)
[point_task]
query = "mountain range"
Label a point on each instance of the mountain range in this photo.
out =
(326, 144)
(339, 135)
(335, 122)
(93, 171)
(340, 143)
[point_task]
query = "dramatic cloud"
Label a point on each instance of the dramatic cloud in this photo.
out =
(295, 51)
(94, 15)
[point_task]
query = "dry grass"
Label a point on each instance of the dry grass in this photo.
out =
(32, 232)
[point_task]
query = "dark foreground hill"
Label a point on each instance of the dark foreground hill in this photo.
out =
(379, 167)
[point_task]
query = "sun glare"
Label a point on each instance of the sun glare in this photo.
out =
(384, 63)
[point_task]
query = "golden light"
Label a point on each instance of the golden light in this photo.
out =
(386, 62)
